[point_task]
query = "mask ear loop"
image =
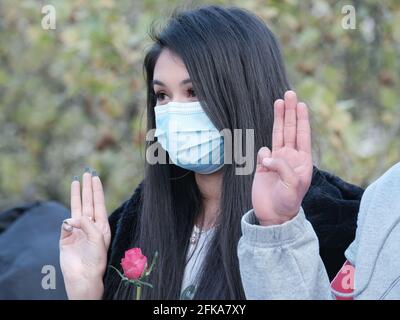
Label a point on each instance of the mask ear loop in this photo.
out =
(176, 178)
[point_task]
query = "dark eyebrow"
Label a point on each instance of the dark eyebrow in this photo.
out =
(155, 81)
(185, 81)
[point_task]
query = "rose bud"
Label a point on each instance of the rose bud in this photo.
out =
(134, 263)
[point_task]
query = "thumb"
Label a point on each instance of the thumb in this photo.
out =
(263, 153)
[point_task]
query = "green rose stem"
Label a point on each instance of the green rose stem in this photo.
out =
(138, 292)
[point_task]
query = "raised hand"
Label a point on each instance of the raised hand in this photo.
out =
(283, 176)
(85, 239)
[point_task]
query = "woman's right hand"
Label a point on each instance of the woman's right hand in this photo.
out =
(85, 239)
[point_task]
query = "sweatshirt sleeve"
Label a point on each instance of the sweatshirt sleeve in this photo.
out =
(281, 261)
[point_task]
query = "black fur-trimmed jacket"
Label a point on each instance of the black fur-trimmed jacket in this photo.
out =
(331, 205)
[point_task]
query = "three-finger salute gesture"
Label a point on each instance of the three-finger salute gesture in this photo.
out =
(283, 174)
(85, 239)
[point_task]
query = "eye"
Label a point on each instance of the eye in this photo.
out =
(160, 96)
(191, 93)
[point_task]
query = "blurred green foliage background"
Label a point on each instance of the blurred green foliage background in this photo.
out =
(75, 96)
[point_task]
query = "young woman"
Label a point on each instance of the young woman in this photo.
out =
(210, 68)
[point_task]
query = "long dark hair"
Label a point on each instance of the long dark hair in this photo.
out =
(235, 65)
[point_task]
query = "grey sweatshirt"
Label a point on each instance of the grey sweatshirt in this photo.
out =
(283, 262)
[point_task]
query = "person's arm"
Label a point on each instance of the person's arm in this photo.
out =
(279, 258)
(281, 261)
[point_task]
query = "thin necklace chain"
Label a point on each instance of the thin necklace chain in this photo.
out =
(197, 232)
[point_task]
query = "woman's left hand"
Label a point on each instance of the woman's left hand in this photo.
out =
(283, 176)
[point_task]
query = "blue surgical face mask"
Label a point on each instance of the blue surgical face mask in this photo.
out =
(190, 138)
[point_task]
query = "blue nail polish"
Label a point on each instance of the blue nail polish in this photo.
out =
(87, 169)
(94, 173)
(75, 178)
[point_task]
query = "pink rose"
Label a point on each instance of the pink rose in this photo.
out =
(133, 263)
